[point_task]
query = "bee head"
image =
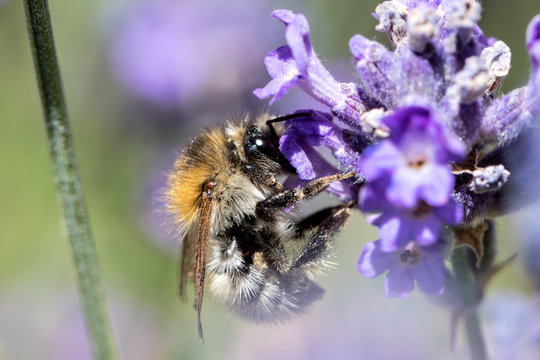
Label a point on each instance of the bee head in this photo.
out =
(260, 146)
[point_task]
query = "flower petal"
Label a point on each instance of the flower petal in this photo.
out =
(429, 272)
(427, 231)
(533, 41)
(297, 36)
(299, 154)
(284, 73)
(399, 282)
(379, 160)
(404, 187)
(373, 261)
(436, 185)
(451, 213)
(392, 231)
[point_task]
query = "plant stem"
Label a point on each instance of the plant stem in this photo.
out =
(471, 299)
(67, 180)
(474, 336)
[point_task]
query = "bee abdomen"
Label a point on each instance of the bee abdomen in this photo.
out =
(250, 272)
(265, 295)
(280, 299)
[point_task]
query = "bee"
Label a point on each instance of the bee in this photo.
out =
(223, 195)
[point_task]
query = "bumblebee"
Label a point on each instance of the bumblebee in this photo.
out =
(223, 196)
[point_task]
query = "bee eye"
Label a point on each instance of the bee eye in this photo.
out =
(264, 145)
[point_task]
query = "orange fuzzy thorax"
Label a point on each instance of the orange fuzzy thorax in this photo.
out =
(203, 160)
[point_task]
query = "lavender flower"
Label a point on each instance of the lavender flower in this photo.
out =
(421, 224)
(319, 129)
(166, 51)
(410, 263)
(296, 64)
(415, 159)
(409, 179)
(303, 134)
(429, 134)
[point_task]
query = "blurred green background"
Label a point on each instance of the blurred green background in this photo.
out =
(126, 140)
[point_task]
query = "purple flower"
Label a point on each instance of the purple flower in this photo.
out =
(415, 159)
(533, 45)
(389, 78)
(508, 115)
(319, 129)
(297, 65)
(422, 224)
(176, 52)
(410, 263)
(441, 141)
(301, 137)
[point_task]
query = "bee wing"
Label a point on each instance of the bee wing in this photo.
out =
(204, 227)
(186, 262)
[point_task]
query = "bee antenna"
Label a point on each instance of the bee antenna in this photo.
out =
(270, 122)
(288, 117)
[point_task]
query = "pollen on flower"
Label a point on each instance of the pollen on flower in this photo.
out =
(418, 163)
(423, 209)
(411, 255)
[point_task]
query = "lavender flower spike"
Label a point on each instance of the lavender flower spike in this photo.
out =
(431, 141)
(296, 64)
(425, 265)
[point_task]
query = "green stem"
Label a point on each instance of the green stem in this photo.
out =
(67, 178)
(471, 300)
(474, 336)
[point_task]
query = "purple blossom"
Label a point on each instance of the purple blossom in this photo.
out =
(319, 129)
(297, 65)
(440, 142)
(389, 78)
(415, 159)
(508, 115)
(301, 137)
(533, 45)
(408, 264)
(174, 52)
(421, 224)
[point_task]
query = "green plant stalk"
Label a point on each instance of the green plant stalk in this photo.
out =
(67, 179)
(471, 300)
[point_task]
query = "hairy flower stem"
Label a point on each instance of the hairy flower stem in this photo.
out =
(471, 299)
(67, 178)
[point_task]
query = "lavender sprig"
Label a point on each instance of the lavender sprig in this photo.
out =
(67, 180)
(433, 147)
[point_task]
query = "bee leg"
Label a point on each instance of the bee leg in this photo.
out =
(259, 176)
(311, 222)
(321, 238)
(289, 197)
